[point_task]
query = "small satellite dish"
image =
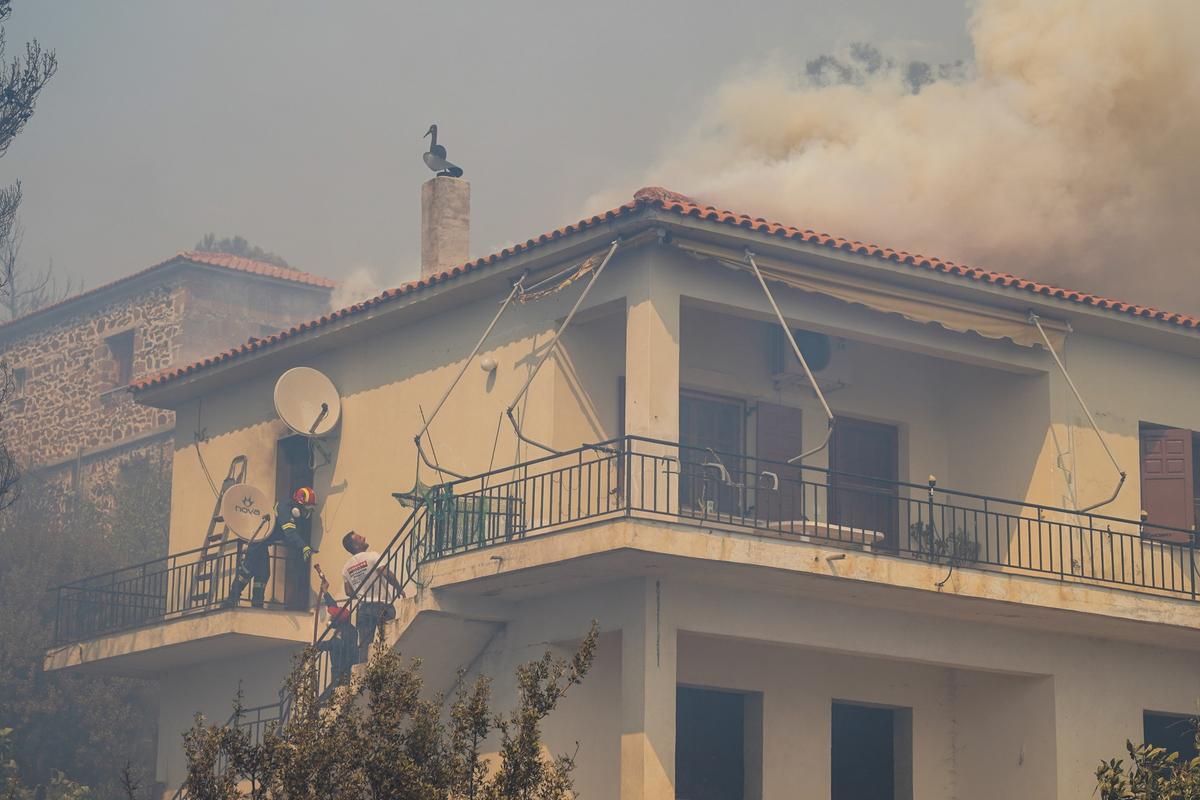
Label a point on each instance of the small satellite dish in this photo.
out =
(247, 511)
(307, 401)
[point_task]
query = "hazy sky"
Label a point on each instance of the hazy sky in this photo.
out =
(299, 124)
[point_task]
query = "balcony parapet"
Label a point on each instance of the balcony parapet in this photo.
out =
(164, 589)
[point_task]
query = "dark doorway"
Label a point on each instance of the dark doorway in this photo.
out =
(293, 469)
(865, 764)
(710, 744)
(1175, 732)
(862, 491)
(711, 431)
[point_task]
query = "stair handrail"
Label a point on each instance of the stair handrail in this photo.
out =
(402, 536)
(401, 549)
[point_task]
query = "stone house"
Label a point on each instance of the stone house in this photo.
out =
(845, 524)
(70, 419)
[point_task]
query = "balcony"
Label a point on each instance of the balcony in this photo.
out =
(176, 609)
(661, 481)
(642, 479)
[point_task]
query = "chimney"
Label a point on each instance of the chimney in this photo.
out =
(445, 224)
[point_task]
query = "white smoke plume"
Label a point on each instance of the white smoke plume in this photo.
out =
(1069, 151)
(359, 285)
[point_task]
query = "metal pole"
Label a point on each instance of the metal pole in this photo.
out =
(803, 363)
(1103, 442)
(516, 289)
(550, 349)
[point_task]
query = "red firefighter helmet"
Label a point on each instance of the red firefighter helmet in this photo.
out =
(305, 496)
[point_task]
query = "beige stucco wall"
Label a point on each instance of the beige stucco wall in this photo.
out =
(997, 711)
(976, 413)
(386, 383)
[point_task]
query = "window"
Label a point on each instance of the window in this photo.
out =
(293, 469)
(120, 351)
(1170, 483)
(20, 377)
(871, 752)
(718, 745)
(1175, 732)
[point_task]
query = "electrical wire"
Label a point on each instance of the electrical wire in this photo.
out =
(197, 435)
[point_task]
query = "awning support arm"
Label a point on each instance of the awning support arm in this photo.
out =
(787, 331)
(550, 349)
(1033, 318)
(518, 288)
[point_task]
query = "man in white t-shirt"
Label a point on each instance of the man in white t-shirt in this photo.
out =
(375, 602)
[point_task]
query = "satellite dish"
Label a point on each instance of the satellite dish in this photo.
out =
(247, 511)
(307, 401)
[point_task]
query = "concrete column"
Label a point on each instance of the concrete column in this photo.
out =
(652, 351)
(652, 381)
(445, 224)
(648, 679)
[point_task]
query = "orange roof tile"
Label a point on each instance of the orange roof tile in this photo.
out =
(223, 260)
(659, 198)
(256, 268)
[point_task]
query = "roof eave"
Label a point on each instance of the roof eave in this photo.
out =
(1082, 316)
(414, 305)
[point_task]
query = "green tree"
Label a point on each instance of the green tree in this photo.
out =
(85, 725)
(238, 246)
(21, 81)
(864, 62)
(378, 737)
(1152, 774)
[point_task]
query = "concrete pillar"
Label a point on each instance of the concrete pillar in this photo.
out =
(445, 224)
(652, 382)
(652, 351)
(648, 680)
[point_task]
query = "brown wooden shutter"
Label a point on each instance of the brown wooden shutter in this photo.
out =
(1167, 476)
(779, 437)
(862, 491)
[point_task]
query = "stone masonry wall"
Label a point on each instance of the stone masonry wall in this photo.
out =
(67, 398)
(225, 309)
(70, 422)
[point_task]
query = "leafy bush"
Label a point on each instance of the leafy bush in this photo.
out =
(377, 737)
(1153, 774)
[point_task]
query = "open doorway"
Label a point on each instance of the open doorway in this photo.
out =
(293, 469)
(718, 745)
(871, 753)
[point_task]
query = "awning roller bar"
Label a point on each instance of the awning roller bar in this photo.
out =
(787, 331)
(517, 288)
(550, 349)
(1036, 321)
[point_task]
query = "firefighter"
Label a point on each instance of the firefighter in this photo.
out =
(293, 528)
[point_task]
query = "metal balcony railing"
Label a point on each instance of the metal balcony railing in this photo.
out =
(166, 588)
(652, 479)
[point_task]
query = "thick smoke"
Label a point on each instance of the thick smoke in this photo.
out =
(1068, 151)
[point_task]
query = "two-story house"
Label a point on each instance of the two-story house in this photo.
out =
(916, 572)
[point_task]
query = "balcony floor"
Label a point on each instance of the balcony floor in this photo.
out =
(566, 560)
(185, 640)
